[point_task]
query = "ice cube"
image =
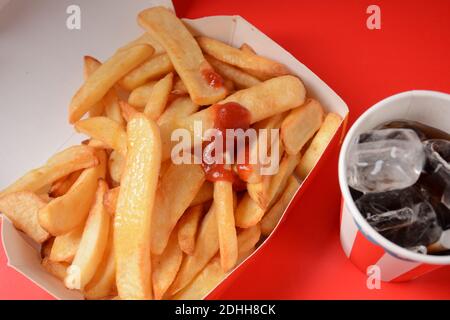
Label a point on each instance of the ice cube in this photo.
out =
(391, 220)
(385, 160)
(402, 216)
(438, 156)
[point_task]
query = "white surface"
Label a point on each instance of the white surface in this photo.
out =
(428, 107)
(44, 70)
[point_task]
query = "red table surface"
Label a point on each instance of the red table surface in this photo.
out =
(411, 51)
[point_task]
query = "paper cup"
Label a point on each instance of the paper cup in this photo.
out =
(364, 246)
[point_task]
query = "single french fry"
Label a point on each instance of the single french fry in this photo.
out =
(116, 166)
(111, 102)
(248, 212)
(103, 284)
(105, 130)
(240, 78)
(271, 218)
(187, 228)
(300, 126)
(206, 247)
(57, 269)
(176, 190)
(69, 211)
(139, 97)
(241, 59)
(185, 54)
(178, 109)
(166, 266)
(60, 165)
(60, 187)
(318, 144)
(105, 77)
(133, 218)
(110, 200)
(247, 48)
(153, 69)
(203, 195)
(262, 101)
(22, 209)
(223, 204)
(65, 246)
(90, 66)
(213, 273)
(259, 191)
(92, 245)
(145, 38)
(159, 97)
(127, 111)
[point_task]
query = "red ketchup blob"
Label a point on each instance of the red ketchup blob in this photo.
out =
(230, 115)
(213, 79)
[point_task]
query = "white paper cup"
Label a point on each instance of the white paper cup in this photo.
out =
(361, 243)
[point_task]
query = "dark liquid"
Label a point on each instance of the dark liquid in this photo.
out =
(423, 131)
(430, 187)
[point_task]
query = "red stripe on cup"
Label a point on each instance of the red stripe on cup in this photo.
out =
(365, 253)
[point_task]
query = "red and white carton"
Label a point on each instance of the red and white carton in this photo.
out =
(49, 91)
(361, 243)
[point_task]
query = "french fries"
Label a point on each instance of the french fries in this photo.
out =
(178, 109)
(203, 195)
(187, 228)
(22, 209)
(207, 245)
(223, 205)
(110, 200)
(248, 212)
(176, 190)
(60, 165)
(117, 216)
(262, 101)
(159, 97)
(166, 266)
(105, 130)
(67, 212)
(152, 69)
(196, 73)
(66, 246)
(92, 245)
(241, 59)
(300, 125)
(213, 273)
(116, 165)
(60, 187)
(318, 144)
(240, 78)
(103, 284)
(270, 220)
(104, 78)
(133, 219)
(139, 97)
(90, 66)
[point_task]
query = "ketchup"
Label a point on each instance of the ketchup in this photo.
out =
(230, 115)
(212, 78)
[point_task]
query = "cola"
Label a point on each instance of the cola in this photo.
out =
(399, 178)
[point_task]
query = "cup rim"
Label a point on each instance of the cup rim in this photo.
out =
(361, 222)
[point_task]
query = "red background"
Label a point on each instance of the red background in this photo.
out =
(411, 51)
